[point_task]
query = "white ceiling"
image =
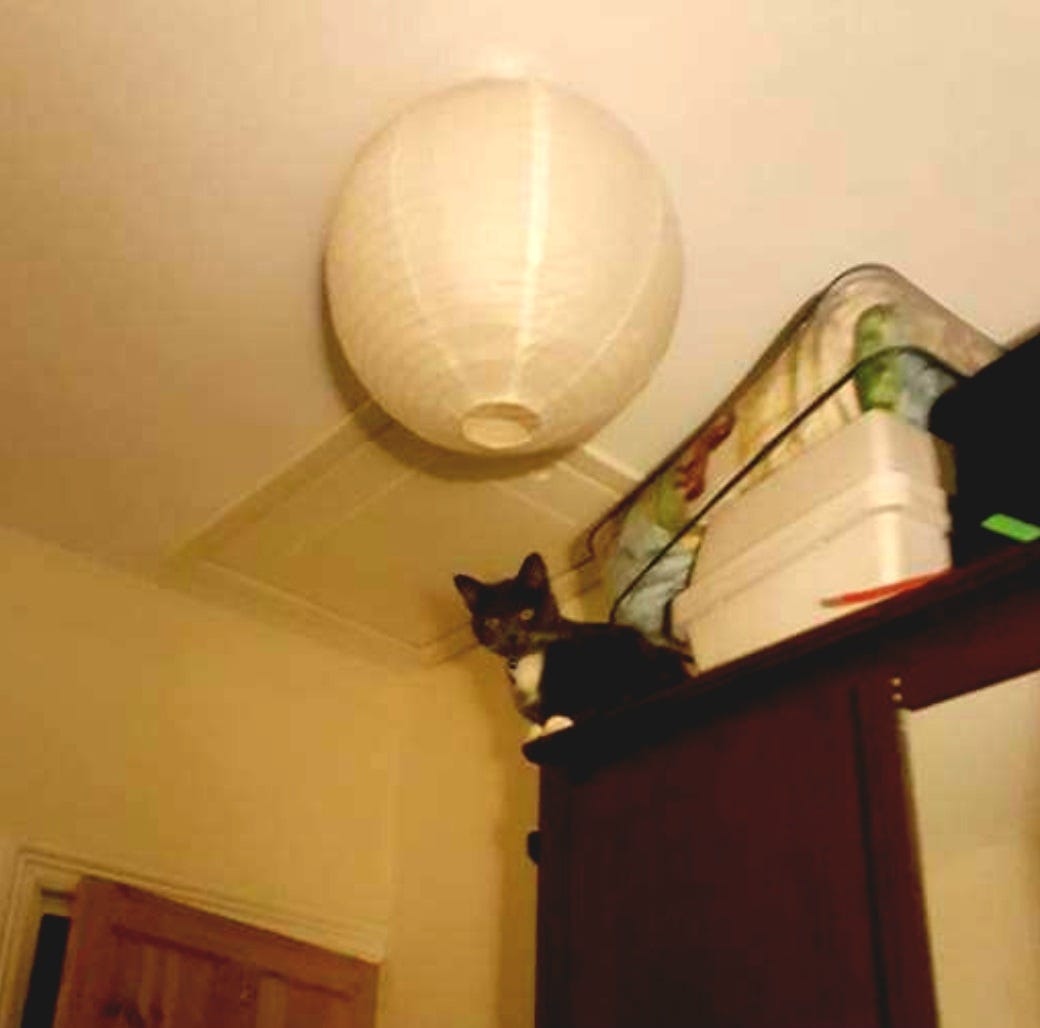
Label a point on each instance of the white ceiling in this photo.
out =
(169, 170)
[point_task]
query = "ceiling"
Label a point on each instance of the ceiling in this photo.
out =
(171, 398)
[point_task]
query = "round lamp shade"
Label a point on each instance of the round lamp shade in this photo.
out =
(504, 268)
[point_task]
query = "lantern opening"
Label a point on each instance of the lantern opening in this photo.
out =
(500, 425)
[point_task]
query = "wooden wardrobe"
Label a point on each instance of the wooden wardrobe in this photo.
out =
(741, 853)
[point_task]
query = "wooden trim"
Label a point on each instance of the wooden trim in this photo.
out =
(24, 907)
(554, 862)
(961, 632)
(897, 903)
(967, 641)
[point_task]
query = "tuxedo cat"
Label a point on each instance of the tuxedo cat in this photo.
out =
(562, 670)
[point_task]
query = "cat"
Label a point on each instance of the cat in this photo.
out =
(562, 670)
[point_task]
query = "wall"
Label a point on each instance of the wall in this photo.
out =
(462, 945)
(151, 731)
(976, 777)
(984, 907)
(462, 937)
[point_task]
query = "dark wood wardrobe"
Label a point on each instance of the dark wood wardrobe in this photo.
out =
(741, 853)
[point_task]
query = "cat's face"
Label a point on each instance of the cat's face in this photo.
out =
(512, 617)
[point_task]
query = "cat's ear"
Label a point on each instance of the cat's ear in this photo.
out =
(533, 572)
(470, 589)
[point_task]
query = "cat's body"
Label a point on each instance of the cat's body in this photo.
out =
(563, 670)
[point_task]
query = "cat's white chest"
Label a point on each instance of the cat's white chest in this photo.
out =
(526, 675)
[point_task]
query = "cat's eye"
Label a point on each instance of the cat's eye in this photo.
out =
(492, 622)
(527, 614)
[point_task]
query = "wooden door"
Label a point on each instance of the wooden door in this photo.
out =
(135, 960)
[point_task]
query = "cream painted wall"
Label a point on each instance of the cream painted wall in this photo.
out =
(984, 920)
(462, 937)
(152, 731)
(976, 774)
(462, 943)
(157, 733)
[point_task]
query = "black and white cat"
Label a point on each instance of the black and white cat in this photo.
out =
(562, 670)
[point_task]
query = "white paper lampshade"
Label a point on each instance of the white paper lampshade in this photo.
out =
(504, 268)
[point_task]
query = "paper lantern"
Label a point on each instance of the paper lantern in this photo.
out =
(504, 268)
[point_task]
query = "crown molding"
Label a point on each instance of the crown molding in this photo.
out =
(194, 569)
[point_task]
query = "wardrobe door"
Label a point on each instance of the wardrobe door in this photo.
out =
(726, 876)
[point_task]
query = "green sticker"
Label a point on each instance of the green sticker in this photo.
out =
(1013, 528)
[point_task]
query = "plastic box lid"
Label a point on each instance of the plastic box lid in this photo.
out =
(874, 444)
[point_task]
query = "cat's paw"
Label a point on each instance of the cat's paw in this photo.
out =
(534, 732)
(557, 723)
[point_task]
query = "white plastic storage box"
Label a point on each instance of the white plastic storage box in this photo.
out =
(861, 509)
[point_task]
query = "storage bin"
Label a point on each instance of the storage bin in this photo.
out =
(864, 508)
